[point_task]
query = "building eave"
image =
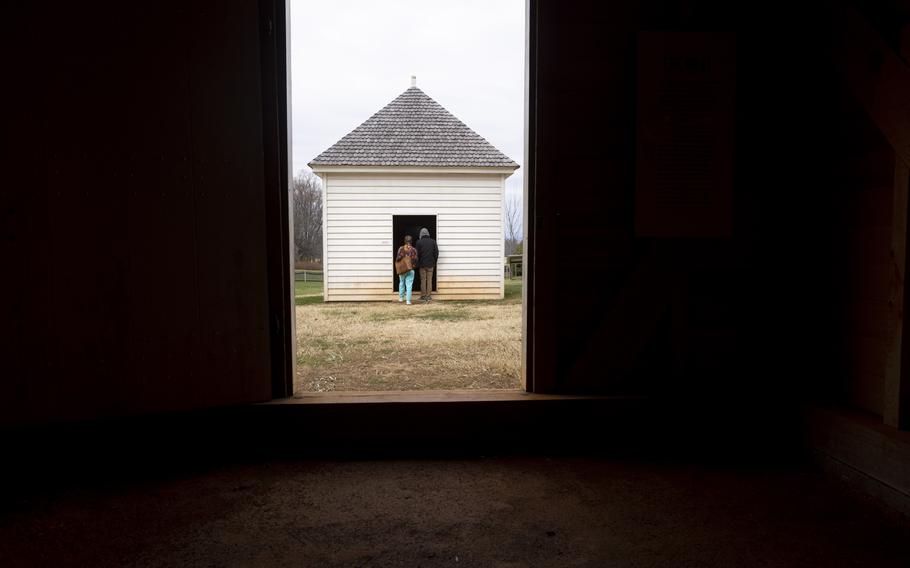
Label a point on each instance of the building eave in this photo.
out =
(320, 169)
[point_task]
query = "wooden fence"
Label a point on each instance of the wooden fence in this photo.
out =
(308, 275)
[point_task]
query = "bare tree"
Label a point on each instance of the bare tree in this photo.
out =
(307, 216)
(511, 218)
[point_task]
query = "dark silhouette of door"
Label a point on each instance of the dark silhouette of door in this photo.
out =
(410, 225)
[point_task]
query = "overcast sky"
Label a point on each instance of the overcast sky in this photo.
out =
(349, 58)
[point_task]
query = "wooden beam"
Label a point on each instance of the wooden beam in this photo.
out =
(876, 76)
(897, 364)
(432, 396)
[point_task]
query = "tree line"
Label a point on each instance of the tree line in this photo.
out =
(511, 221)
(307, 190)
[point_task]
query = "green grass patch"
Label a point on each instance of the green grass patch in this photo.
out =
(391, 316)
(321, 342)
(307, 293)
(513, 290)
(306, 300)
(339, 310)
(307, 288)
(309, 360)
(457, 312)
(447, 315)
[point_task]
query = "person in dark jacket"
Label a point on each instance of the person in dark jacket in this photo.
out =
(427, 254)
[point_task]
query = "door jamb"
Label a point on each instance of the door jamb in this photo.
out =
(274, 18)
(276, 83)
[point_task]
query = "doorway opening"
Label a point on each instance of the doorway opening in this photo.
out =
(412, 164)
(410, 225)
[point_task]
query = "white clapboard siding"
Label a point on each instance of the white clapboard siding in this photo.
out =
(362, 217)
(429, 206)
(379, 230)
(453, 223)
(342, 246)
(460, 219)
(466, 238)
(394, 297)
(380, 223)
(475, 260)
(363, 240)
(363, 254)
(342, 275)
(362, 267)
(348, 281)
(461, 278)
(359, 251)
(414, 192)
(467, 232)
(423, 181)
(441, 194)
(409, 209)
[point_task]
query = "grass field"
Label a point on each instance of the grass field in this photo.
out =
(307, 293)
(390, 346)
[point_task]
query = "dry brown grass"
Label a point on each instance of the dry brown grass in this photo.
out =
(392, 346)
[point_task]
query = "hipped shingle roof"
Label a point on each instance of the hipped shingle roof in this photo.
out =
(413, 130)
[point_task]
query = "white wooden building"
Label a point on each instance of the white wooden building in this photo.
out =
(412, 165)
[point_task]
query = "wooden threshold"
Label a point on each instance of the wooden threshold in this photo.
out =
(474, 421)
(428, 396)
(859, 449)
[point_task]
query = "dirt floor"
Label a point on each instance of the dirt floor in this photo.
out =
(390, 346)
(513, 512)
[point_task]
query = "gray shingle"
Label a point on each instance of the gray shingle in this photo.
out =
(413, 130)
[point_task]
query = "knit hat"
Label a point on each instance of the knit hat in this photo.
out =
(424, 233)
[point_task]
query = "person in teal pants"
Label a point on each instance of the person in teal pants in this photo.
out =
(406, 280)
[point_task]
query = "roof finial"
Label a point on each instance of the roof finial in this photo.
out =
(413, 80)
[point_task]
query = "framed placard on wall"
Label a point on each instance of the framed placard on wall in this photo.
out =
(686, 91)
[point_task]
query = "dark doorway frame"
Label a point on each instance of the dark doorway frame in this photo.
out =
(274, 16)
(537, 340)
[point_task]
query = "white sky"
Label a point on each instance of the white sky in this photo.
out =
(349, 58)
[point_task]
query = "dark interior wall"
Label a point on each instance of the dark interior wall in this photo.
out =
(793, 306)
(731, 324)
(586, 131)
(141, 231)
